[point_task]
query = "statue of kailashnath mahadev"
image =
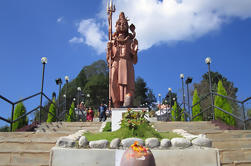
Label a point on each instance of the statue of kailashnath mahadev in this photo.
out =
(122, 49)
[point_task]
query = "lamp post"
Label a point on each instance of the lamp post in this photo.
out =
(159, 98)
(170, 96)
(58, 82)
(64, 102)
(79, 92)
(183, 93)
(208, 61)
(188, 81)
(66, 80)
(44, 61)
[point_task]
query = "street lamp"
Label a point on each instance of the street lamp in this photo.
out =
(64, 102)
(188, 81)
(58, 82)
(170, 96)
(183, 92)
(66, 80)
(208, 61)
(79, 92)
(43, 61)
(159, 98)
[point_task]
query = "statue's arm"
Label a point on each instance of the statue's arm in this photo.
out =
(134, 51)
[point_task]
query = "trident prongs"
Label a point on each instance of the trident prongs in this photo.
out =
(110, 7)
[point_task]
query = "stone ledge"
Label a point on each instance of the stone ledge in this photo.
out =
(111, 157)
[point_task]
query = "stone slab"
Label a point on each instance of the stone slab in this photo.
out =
(117, 116)
(112, 157)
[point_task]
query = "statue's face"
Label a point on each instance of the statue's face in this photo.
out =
(122, 26)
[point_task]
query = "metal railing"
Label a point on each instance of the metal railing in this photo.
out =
(212, 106)
(38, 108)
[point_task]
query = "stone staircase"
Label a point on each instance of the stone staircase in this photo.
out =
(68, 127)
(234, 145)
(33, 148)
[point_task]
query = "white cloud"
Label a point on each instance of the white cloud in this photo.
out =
(93, 35)
(76, 40)
(167, 20)
(60, 19)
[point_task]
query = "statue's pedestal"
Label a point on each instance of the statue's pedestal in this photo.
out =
(117, 116)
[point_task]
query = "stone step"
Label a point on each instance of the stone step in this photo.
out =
(231, 143)
(25, 158)
(21, 146)
(237, 163)
(230, 155)
(68, 130)
(70, 124)
(29, 135)
(188, 126)
(230, 134)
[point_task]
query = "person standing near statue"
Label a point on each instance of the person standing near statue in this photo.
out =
(122, 51)
(102, 112)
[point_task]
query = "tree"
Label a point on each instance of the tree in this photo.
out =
(224, 104)
(182, 117)
(4, 128)
(140, 94)
(171, 98)
(97, 87)
(150, 99)
(203, 90)
(19, 111)
(174, 112)
(52, 112)
(196, 109)
(249, 112)
(91, 76)
(71, 115)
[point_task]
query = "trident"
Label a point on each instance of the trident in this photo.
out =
(110, 10)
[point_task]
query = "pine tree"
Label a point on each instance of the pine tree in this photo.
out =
(52, 111)
(70, 117)
(224, 104)
(196, 109)
(19, 111)
(182, 115)
(173, 112)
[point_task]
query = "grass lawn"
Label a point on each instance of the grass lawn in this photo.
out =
(143, 131)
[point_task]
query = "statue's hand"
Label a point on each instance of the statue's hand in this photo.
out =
(109, 45)
(134, 46)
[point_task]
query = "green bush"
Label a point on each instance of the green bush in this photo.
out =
(4, 129)
(19, 111)
(196, 109)
(133, 124)
(52, 111)
(71, 117)
(224, 104)
(175, 112)
(108, 127)
(182, 118)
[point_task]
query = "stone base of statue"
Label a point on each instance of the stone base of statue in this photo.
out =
(117, 116)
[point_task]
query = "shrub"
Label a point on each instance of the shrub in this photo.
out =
(174, 112)
(182, 118)
(52, 112)
(71, 114)
(196, 109)
(224, 104)
(108, 127)
(19, 111)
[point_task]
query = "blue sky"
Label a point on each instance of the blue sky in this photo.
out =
(174, 37)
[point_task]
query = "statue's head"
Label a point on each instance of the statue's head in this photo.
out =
(122, 24)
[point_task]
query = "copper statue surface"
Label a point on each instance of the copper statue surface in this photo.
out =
(122, 51)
